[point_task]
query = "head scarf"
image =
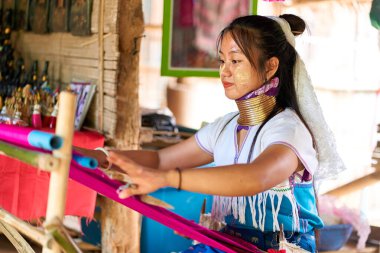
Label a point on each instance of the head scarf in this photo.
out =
(330, 163)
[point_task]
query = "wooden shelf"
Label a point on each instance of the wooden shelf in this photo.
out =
(150, 138)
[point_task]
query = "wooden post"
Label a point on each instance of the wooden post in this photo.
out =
(356, 185)
(120, 225)
(58, 179)
(101, 66)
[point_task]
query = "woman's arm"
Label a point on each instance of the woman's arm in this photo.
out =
(272, 167)
(186, 154)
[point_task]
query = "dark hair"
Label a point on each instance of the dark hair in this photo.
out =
(260, 38)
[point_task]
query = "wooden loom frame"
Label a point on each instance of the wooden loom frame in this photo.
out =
(54, 238)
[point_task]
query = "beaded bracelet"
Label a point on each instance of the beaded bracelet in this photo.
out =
(180, 178)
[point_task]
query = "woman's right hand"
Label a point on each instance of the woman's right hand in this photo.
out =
(143, 179)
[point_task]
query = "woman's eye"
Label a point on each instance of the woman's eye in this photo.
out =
(235, 61)
(220, 61)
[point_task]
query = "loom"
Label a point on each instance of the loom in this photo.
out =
(58, 158)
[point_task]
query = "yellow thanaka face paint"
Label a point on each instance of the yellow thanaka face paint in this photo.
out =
(221, 69)
(242, 75)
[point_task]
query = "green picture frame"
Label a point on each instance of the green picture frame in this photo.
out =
(182, 40)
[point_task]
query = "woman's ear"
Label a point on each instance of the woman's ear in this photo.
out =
(271, 67)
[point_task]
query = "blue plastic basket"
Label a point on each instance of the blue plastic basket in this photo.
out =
(156, 237)
(333, 237)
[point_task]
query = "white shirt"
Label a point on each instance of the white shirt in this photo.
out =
(285, 128)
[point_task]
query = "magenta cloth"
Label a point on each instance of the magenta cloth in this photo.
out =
(101, 183)
(24, 189)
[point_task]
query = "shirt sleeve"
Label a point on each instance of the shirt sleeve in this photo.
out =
(208, 135)
(291, 132)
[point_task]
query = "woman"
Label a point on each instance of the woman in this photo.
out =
(264, 154)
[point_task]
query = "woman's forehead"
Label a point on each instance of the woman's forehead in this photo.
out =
(229, 46)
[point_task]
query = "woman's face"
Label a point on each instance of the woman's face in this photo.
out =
(236, 73)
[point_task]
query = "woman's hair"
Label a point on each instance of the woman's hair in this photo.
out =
(260, 38)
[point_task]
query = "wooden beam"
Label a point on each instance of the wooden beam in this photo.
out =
(43, 161)
(110, 17)
(100, 85)
(116, 219)
(356, 185)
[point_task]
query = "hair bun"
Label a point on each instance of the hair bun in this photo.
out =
(297, 24)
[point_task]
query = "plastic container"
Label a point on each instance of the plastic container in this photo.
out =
(155, 237)
(333, 237)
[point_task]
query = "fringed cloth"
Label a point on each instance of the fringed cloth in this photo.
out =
(100, 182)
(237, 206)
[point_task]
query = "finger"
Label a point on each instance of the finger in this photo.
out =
(128, 193)
(122, 162)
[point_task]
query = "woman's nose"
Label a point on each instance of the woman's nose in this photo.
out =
(225, 70)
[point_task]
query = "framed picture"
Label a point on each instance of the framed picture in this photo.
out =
(59, 15)
(21, 14)
(85, 92)
(80, 17)
(190, 31)
(38, 16)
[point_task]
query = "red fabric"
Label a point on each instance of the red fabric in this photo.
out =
(24, 189)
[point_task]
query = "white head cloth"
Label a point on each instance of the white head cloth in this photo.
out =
(330, 163)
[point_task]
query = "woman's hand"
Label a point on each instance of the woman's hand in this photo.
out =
(144, 180)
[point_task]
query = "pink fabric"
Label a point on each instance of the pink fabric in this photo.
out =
(100, 182)
(331, 207)
(24, 189)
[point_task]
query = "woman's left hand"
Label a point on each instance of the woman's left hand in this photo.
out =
(144, 180)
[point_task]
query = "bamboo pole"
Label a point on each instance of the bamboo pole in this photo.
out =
(15, 238)
(24, 228)
(61, 236)
(40, 160)
(58, 178)
(101, 65)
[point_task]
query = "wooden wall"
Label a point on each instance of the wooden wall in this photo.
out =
(115, 108)
(76, 57)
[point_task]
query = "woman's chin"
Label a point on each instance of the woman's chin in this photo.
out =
(231, 95)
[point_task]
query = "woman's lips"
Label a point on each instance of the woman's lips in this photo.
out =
(227, 84)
